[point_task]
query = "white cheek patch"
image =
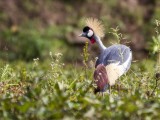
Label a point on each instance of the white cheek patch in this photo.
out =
(90, 33)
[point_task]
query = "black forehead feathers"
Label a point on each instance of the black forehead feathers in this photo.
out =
(86, 28)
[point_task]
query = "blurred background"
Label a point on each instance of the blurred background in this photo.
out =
(32, 28)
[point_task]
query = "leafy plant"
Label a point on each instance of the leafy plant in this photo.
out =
(155, 44)
(115, 32)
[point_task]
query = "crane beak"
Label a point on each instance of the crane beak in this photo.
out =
(82, 35)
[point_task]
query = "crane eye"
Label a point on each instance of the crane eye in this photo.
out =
(90, 33)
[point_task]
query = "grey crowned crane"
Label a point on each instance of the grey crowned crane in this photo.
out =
(112, 62)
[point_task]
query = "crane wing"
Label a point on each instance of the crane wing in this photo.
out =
(117, 61)
(115, 54)
(100, 78)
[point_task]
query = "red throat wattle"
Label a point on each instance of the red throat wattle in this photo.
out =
(92, 40)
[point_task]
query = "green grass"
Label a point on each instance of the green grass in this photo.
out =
(53, 90)
(47, 88)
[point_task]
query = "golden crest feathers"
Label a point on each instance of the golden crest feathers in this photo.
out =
(96, 25)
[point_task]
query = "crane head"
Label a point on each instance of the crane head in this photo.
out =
(88, 33)
(94, 27)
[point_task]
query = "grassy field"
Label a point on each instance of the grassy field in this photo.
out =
(49, 87)
(36, 84)
(54, 90)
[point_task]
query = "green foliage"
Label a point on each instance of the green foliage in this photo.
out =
(118, 36)
(85, 54)
(27, 43)
(49, 89)
(22, 44)
(5, 72)
(52, 90)
(55, 72)
(155, 44)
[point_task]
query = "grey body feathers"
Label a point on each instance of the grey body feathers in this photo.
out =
(115, 54)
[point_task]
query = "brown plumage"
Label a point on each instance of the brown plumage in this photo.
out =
(101, 78)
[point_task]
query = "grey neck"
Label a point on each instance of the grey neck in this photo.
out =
(100, 44)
